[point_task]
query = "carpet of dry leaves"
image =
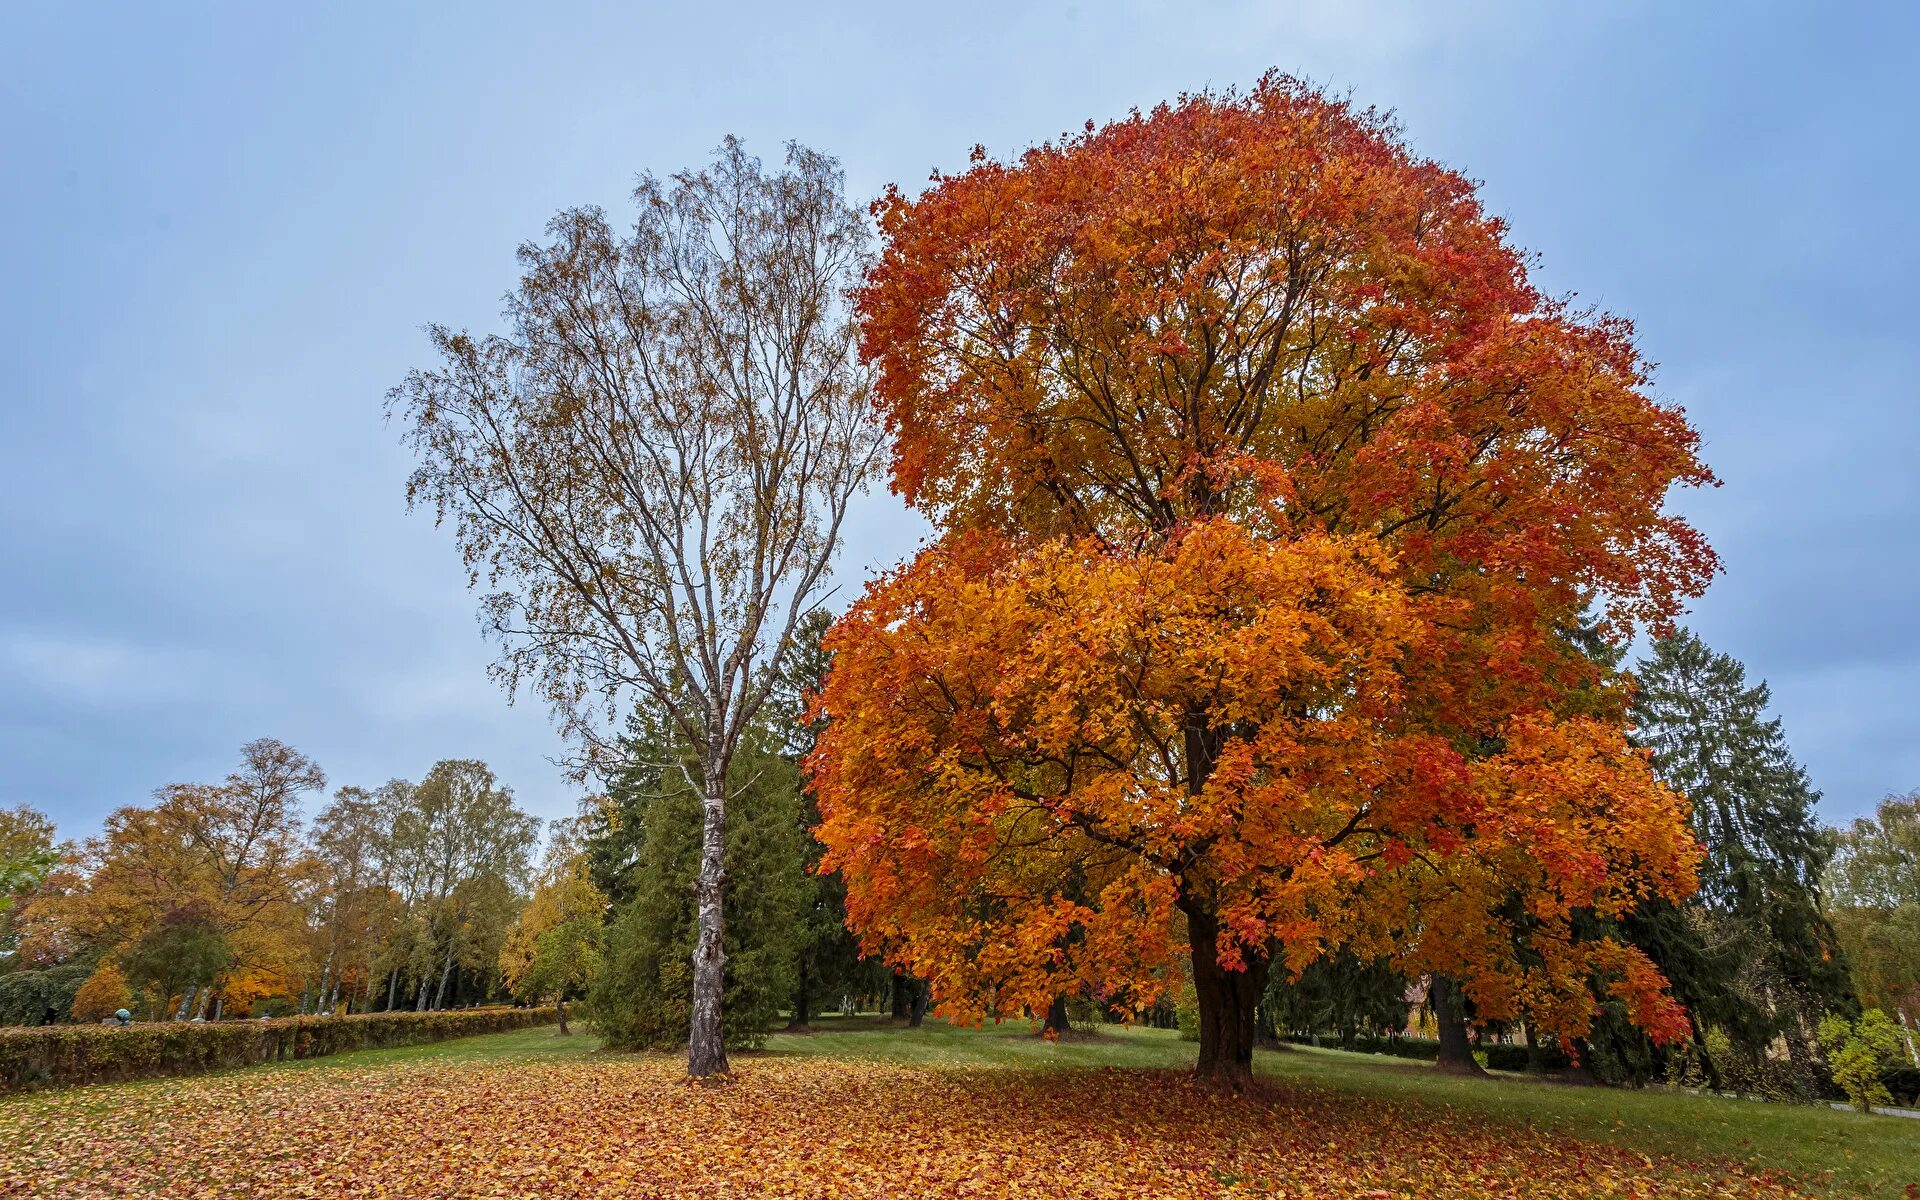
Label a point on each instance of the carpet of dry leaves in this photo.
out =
(631, 1127)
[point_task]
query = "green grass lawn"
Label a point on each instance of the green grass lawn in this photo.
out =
(1837, 1153)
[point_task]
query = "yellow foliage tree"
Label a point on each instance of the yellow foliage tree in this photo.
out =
(104, 993)
(554, 948)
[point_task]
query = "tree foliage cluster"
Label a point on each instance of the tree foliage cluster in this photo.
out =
(221, 900)
(1266, 482)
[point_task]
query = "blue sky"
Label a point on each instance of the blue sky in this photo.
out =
(225, 225)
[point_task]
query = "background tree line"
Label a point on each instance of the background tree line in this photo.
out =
(220, 900)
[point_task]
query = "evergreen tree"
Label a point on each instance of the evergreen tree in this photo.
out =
(1762, 927)
(649, 838)
(1339, 994)
(827, 960)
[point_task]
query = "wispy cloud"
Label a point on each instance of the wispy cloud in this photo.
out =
(99, 669)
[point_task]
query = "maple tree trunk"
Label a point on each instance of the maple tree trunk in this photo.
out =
(706, 1042)
(902, 999)
(1227, 1001)
(1456, 1053)
(1058, 1023)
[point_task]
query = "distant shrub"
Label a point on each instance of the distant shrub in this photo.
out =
(1740, 1070)
(1519, 1058)
(1504, 1058)
(40, 997)
(1419, 1049)
(1186, 1013)
(72, 1054)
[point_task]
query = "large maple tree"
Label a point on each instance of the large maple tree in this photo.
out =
(1270, 491)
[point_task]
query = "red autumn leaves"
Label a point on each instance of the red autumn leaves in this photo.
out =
(1271, 493)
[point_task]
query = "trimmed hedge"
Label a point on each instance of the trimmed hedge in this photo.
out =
(1425, 1049)
(59, 1055)
(1515, 1058)
(1494, 1055)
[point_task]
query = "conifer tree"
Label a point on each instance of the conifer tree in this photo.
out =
(647, 843)
(827, 959)
(1753, 811)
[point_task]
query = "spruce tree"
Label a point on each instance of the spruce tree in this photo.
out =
(1761, 959)
(827, 959)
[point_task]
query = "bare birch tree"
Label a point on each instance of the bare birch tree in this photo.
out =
(650, 470)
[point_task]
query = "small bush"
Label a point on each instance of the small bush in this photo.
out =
(72, 1054)
(1186, 1013)
(1859, 1053)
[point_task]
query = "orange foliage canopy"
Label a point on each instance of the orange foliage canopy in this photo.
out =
(1271, 494)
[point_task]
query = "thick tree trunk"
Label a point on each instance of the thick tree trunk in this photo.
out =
(1450, 1014)
(706, 1041)
(186, 999)
(1227, 1000)
(560, 1009)
(917, 1006)
(802, 1001)
(206, 997)
(1058, 1024)
(902, 997)
(420, 997)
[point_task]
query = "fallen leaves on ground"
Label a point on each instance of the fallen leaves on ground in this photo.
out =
(632, 1127)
